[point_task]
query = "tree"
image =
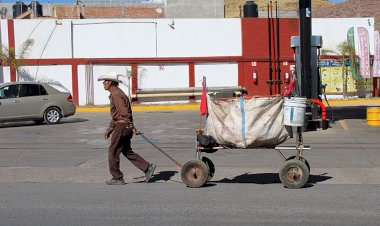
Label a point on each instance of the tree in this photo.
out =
(14, 60)
(345, 53)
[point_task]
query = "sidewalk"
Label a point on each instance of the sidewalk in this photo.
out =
(195, 106)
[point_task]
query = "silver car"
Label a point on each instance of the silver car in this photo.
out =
(22, 101)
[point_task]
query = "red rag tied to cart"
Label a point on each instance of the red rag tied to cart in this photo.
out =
(290, 88)
(203, 105)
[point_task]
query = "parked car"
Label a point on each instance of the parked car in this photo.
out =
(23, 101)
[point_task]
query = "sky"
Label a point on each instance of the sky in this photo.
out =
(71, 1)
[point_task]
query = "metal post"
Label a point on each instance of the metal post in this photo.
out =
(305, 41)
(278, 52)
(270, 51)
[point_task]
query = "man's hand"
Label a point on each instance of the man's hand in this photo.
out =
(135, 131)
(107, 134)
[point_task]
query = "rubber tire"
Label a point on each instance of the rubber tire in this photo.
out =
(52, 115)
(211, 167)
(302, 159)
(194, 173)
(301, 177)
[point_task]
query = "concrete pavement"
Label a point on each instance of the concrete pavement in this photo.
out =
(75, 152)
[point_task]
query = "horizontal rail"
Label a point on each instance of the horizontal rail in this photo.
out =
(179, 94)
(192, 90)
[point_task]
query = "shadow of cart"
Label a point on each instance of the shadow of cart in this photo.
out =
(268, 178)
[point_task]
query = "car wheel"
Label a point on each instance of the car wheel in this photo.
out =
(52, 115)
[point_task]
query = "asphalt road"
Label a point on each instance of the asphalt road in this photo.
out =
(172, 204)
(54, 175)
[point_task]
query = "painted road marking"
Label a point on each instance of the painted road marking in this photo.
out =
(344, 125)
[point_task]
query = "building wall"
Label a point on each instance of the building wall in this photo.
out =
(352, 9)
(160, 53)
(334, 30)
(194, 9)
(121, 11)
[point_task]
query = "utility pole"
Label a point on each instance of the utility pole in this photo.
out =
(305, 43)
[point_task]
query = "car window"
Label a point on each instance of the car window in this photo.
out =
(4, 92)
(28, 90)
(9, 92)
(43, 90)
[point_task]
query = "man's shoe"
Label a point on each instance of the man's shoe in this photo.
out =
(115, 182)
(149, 172)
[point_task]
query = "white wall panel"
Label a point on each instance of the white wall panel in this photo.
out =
(101, 95)
(163, 76)
(218, 74)
(51, 39)
(199, 37)
(57, 75)
(114, 38)
(82, 91)
(5, 76)
(4, 32)
(334, 30)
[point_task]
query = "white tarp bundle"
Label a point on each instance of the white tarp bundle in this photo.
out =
(247, 123)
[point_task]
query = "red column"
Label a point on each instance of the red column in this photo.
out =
(11, 41)
(134, 82)
(74, 78)
(191, 80)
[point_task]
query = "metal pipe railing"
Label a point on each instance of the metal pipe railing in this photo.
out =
(192, 90)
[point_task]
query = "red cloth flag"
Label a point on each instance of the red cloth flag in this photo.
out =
(364, 52)
(203, 106)
(376, 61)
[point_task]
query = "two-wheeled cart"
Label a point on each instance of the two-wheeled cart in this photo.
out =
(293, 173)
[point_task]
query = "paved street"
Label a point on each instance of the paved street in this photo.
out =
(54, 175)
(74, 151)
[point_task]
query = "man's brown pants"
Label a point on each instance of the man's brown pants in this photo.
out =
(121, 143)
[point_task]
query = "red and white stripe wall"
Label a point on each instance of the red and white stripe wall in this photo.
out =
(246, 63)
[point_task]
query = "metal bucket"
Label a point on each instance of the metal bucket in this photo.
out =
(294, 111)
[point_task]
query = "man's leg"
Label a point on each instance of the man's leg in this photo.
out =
(115, 149)
(133, 157)
(136, 159)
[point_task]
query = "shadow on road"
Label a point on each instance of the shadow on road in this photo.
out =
(268, 178)
(31, 123)
(352, 112)
(163, 176)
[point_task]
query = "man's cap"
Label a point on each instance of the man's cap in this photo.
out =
(110, 76)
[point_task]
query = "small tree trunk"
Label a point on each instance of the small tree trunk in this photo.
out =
(344, 81)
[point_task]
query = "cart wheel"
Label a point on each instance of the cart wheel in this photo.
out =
(211, 167)
(302, 159)
(194, 173)
(294, 174)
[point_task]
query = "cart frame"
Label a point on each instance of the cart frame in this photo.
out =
(293, 173)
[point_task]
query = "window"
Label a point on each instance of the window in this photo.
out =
(42, 90)
(28, 90)
(4, 92)
(9, 92)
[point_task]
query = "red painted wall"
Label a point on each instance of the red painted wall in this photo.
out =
(256, 54)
